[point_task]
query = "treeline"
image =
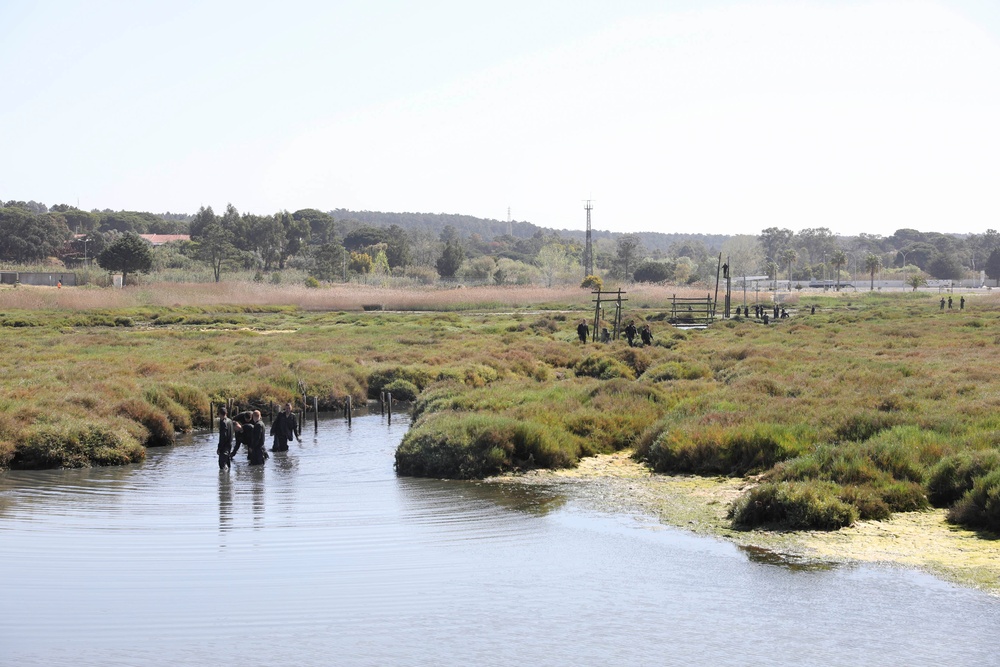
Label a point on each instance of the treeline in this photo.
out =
(423, 248)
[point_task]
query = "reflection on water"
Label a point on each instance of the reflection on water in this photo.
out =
(323, 556)
(225, 501)
(788, 561)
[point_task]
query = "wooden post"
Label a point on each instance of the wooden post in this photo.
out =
(349, 409)
(316, 412)
(388, 396)
(211, 413)
(381, 402)
(597, 316)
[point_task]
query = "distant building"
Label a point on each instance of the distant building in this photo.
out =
(160, 239)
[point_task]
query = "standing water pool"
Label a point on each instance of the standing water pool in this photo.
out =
(325, 557)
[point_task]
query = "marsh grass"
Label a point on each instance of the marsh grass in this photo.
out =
(854, 407)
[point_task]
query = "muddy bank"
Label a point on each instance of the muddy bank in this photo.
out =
(923, 540)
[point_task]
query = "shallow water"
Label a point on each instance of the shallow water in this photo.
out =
(325, 557)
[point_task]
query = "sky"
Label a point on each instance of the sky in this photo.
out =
(705, 116)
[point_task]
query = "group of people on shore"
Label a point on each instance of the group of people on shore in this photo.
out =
(961, 303)
(631, 332)
(761, 312)
(247, 428)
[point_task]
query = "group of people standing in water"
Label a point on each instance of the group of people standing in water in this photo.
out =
(247, 428)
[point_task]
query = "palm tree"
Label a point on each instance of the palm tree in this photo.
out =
(873, 263)
(787, 256)
(839, 259)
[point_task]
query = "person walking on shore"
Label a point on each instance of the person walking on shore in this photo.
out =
(284, 428)
(631, 332)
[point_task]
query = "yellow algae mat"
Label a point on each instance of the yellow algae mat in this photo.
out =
(921, 540)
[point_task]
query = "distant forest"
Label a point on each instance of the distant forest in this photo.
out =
(423, 248)
(467, 226)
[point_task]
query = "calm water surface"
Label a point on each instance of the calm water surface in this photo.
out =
(325, 557)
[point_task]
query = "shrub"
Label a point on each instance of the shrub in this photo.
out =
(980, 506)
(160, 431)
(592, 282)
(75, 445)
(402, 390)
(603, 368)
(864, 425)
(178, 416)
(877, 478)
(193, 399)
(955, 475)
(311, 282)
(471, 446)
(378, 379)
(677, 370)
(793, 505)
(733, 450)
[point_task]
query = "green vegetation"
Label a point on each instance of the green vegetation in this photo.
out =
(875, 405)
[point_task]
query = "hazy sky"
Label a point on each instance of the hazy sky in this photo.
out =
(673, 116)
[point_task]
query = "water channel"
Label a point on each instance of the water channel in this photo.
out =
(326, 557)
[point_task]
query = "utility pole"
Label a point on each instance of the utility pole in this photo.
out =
(510, 228)
(588, 253)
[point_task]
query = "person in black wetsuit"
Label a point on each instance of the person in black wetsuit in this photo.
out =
(226, 432)
(582, 330)
(284, 428)
(241, 428)
(646, 335)
(631, 332)
(255, 440)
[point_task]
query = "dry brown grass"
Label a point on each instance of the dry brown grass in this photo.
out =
(348, 297)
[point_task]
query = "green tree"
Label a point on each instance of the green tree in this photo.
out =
(480, 270)
(296, 234)
(651, 271)
(265, 236)
(993, 266)
(360, 262)
(321, 225)
(397, 248)
(553, 261)
(451, 258)
(817, 243)
(329, 262)
(380, 263)
(774, 241)
(26, 237)
(129, 253)
(628, 252)
(838, 260)
(916, 280)
(215, 247)
(946, 267)
(787, 258)
(365, 237)
(202, 219)
(873, 263)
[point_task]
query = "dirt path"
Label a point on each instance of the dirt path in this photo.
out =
(922, 540)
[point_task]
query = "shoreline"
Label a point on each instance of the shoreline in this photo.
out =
(924, 541)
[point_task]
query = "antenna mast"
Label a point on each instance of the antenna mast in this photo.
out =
(510, 229)
(588, 253)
